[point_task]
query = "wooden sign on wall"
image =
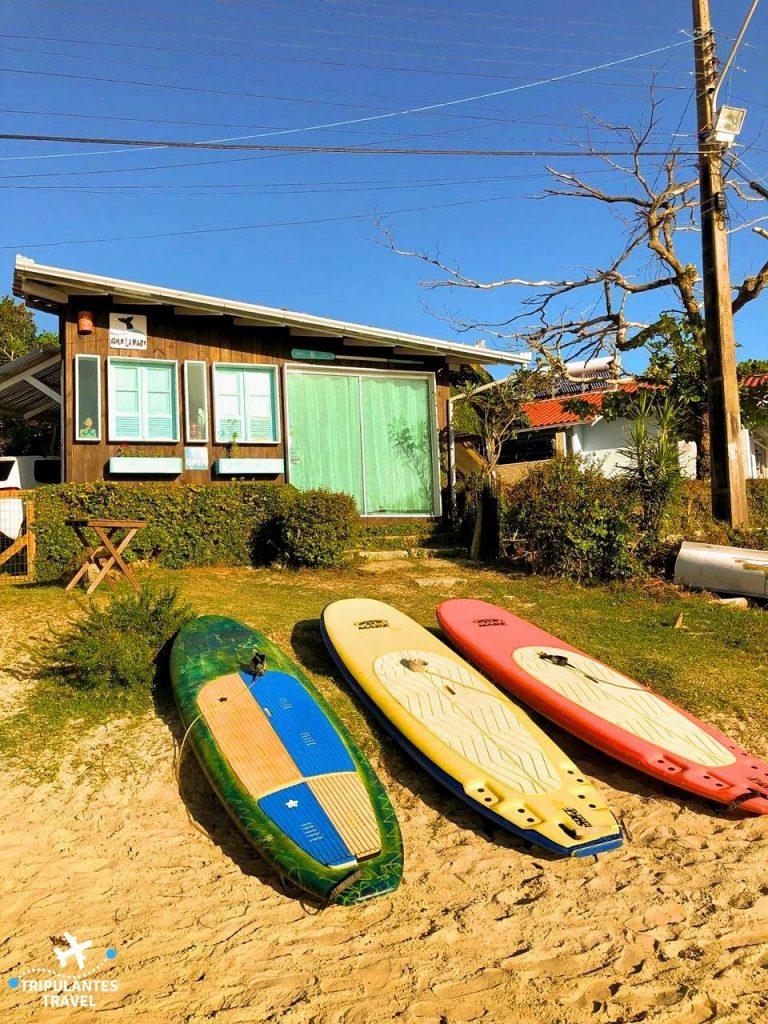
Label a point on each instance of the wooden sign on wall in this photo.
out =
(127, 330)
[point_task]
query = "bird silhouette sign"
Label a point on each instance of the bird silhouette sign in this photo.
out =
(127, 330)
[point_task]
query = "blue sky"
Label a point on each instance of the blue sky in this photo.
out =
(212, 69)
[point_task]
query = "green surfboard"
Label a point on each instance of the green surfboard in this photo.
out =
(283, 764)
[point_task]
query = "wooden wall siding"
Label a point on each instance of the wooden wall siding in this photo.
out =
(210, 339)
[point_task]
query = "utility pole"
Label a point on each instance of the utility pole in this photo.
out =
(729, 494)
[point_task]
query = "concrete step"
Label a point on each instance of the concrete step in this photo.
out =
(390, 554)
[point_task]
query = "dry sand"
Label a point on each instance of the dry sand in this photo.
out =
(672, 928)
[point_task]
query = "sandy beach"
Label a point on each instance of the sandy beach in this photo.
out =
(672, 928)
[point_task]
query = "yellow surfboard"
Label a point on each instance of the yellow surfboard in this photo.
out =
(467, 734)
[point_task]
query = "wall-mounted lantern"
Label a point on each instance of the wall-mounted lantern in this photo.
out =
(84, 322)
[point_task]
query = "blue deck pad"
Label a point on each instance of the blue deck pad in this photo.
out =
(301, 724)
(298, 813)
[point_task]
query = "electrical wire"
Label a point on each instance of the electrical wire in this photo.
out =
(431, 55)
(304, 28)
(18, 246)
(477, 14)
(485, 15)
(228, 190)
(240, 78)
(336, 65)
(360, 150)
(427, 108)
(542, 121)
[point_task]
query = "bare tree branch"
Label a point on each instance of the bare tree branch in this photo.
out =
(586, 315)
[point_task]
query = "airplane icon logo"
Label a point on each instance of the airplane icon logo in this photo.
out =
(73, 949)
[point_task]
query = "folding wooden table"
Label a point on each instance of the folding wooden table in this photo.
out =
(108, 553)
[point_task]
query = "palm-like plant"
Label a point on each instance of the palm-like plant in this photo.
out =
(653, 458)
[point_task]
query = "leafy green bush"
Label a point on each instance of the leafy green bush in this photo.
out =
(117, 644)
(317, 527)
(567, 519)
(236, 523)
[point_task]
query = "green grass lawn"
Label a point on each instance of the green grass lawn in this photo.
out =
(716, 665)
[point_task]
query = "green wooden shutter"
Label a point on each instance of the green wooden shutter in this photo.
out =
(159, 401)
(125, 407)
(229, 405)
(259, 405)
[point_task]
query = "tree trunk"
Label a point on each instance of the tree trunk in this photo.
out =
(477, 533)
(703, 452)
(485, 536)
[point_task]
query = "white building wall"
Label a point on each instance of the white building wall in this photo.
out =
(603, 443)
(755, 450)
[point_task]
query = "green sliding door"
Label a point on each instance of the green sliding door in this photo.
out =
(368, 436)
(325, 447)
(397, 445)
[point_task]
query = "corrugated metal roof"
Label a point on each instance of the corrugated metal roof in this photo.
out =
(17, 395)
(46, 287)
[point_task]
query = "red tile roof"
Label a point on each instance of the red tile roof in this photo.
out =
(551, 412)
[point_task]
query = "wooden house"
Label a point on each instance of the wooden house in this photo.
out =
(160, 384)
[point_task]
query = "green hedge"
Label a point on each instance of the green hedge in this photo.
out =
(565, 519)
(237, 523)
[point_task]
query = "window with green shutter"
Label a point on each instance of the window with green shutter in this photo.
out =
(142, 400)
(245, 404)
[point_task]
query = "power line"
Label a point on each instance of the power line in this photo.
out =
(270, 148)
(570, 51)
(535, 120)
(431, 55)
(227, 190)
(254, 227)
(123, 45)
(479, 14)
(327, 10)
(430, 107)
(312, 30)
(240, 78)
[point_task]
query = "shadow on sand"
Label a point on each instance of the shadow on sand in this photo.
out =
(205, 809)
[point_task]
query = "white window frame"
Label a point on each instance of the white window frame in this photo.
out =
(187, 431)
(354, 371)
(86, 356)
(112, 361)
(272, 369)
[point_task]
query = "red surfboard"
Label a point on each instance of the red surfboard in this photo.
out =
(614, 713)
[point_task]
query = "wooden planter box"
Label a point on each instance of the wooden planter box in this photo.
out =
(249, 467)
(144, 465)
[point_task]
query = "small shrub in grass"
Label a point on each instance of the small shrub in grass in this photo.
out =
(569, 520)
(117, 644)
(317, 527)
